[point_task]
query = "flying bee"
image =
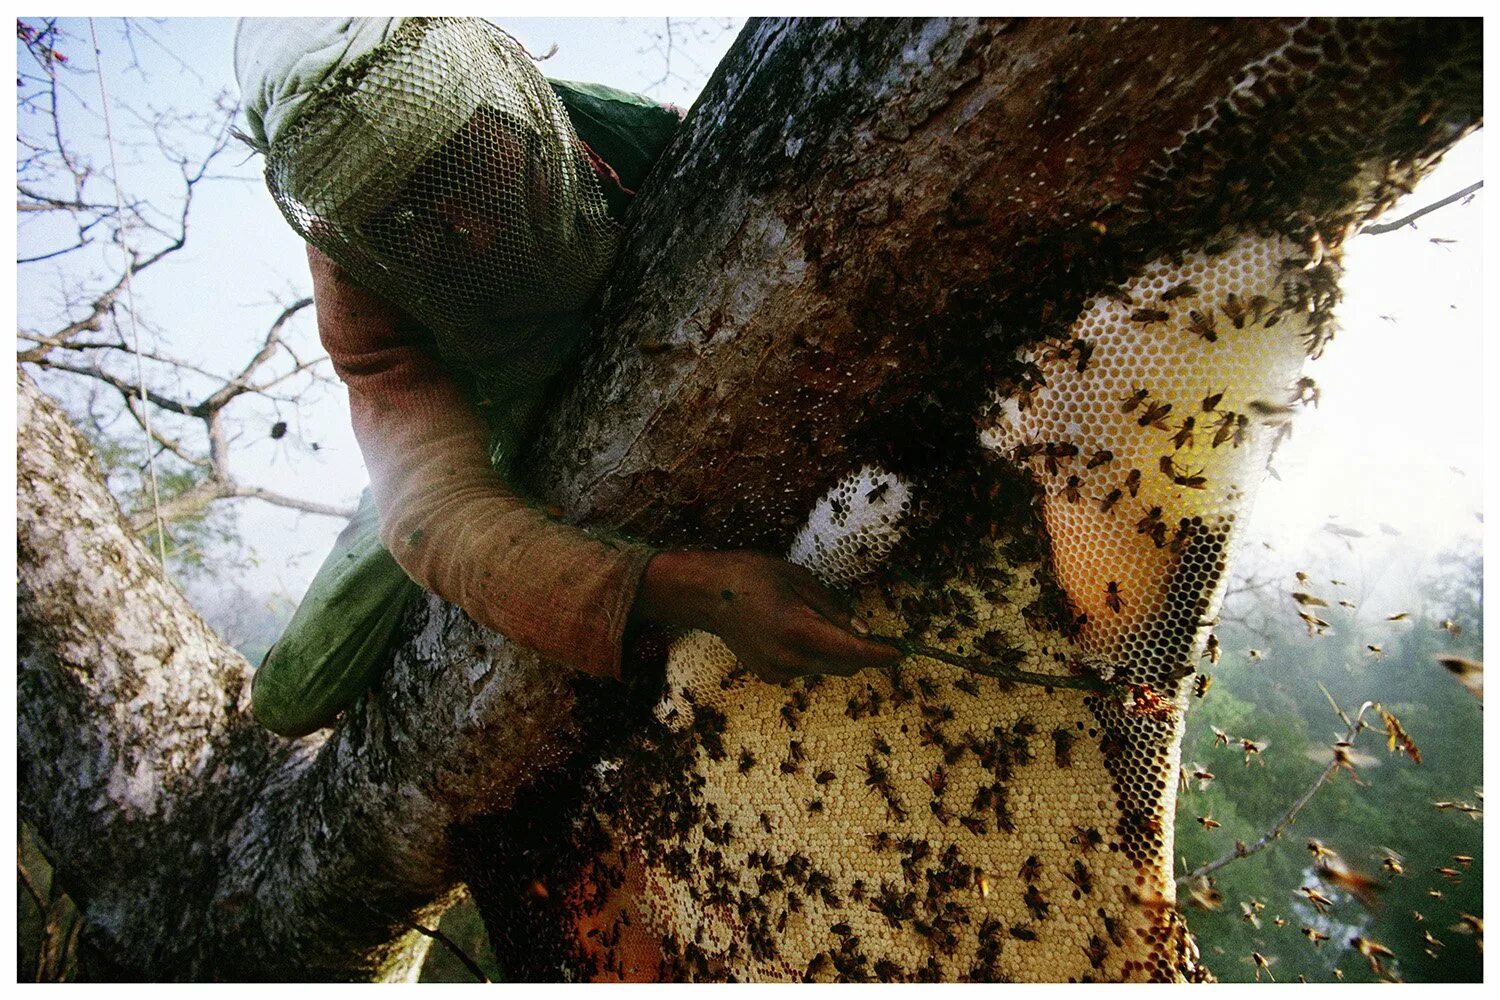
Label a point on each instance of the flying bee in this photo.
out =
(1470, 673)
(1203, 325)
(1155, 416)
(1184, 437)
(1319, 901)
(1133, 482)
(1375, 649)
(1308, 600)
(1262, 964)
(1221, 738)
(1110, 499)
(1313, 935)
(1201, 684)
(1179, 291)
(1203, 894)
(1392, 863)
(1350, 605)
(1398, 617)
(1070, 489)
(1209, 823)
(1254, 654)
(1251, 748)
(1450, 626)
(1149, 315)
(1101, 457)
(1112, 598)
(1373, 951)
(1135, 399)
(1269, 412)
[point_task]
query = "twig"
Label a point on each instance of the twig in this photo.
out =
(458, 952)
(1375, 229)
(993, 668)
(1288, 817)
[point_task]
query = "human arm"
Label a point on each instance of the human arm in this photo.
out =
(456, 527)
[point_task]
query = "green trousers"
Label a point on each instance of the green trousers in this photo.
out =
(344, 632)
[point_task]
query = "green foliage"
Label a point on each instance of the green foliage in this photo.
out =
(1278, 701)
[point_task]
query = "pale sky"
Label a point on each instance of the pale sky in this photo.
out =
(1402, 382)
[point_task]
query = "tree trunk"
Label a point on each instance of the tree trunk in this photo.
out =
(834, 265)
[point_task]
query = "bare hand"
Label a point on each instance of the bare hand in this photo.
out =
(778, 619)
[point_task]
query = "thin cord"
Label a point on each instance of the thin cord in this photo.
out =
(135, 333)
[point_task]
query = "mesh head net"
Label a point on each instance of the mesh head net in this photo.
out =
(442, 171)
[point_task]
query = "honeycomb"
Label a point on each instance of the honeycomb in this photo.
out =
(933, 824)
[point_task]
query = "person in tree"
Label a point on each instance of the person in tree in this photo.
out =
(461, 212)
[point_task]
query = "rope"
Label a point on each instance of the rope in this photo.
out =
(135, 333)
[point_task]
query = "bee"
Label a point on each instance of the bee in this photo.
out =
(1201, 684)
(1210, 402)
(1205, 895)
(974, 825)
(1375, 649)
(1112, 597)
(1031, 869)
(1313, 935)
(1167, 467)
(1179, 291)
(937, 780)
(1086, 838)
(1133, 482)
(1134, 400)
(1070, 490)
(877, 492)
(1464, 859)
(1209, 823)
(1184, 437)
(1350, 605)
(1036, 902)
(814, 805)
(1400, 617)
(1251, 748)
(1211, 649)
(1450, 626)
(1235, 310)
(1062, 746)
(1308, 600)
(1149, 315)
(1144, 525)
(1023, 934)
(1101, 457)
(824, 777)
(1085, 350)
(1191, 480)
(1202, 776)
(765, 822)
(1269, 412)
(1155, 416)
(1373, 951)
(967, 686)
(1203, 325)
(1221, 738)
(1319, 901)
(747, 760)
(1080, 877)
(1110, 499)
(1315, 625)
(1451, 874)
(1470, 673)
(1262, 964)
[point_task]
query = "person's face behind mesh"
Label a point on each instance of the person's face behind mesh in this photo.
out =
(474, 221)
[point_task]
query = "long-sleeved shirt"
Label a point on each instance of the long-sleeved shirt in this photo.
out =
(448, 518)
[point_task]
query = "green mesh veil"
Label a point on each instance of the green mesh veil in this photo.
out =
(442, 171)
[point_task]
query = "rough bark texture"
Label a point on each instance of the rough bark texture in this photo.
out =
(853, 214)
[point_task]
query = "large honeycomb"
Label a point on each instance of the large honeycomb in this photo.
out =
(930, 823)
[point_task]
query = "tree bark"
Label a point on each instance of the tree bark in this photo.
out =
(859, 221)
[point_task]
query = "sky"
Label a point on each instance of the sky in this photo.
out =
(1396, 441)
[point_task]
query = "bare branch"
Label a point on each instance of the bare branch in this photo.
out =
(1375, 229)
(1287, 818)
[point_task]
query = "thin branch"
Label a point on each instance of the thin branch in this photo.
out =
(994, 668)
(451, 945)
(1288, 817)
(1375, 229)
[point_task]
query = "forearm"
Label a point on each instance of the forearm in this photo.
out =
(450, 521)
